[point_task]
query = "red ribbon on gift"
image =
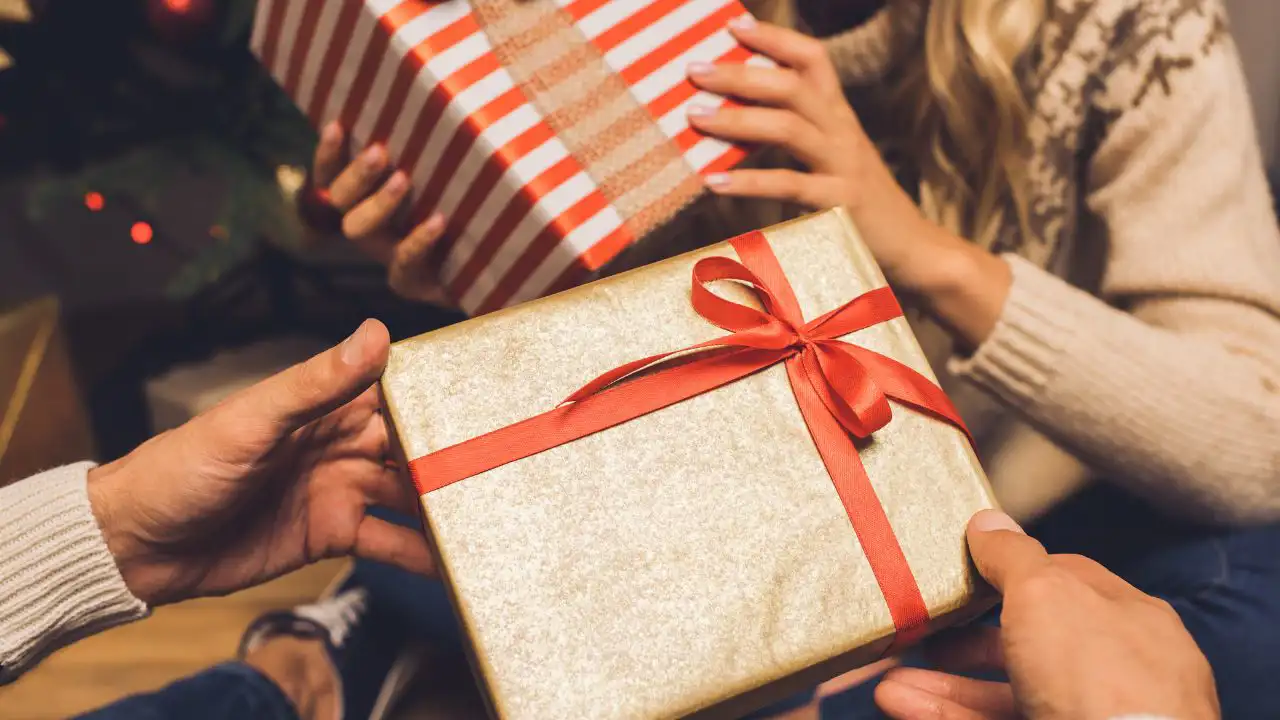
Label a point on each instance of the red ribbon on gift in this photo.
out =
(842, 391)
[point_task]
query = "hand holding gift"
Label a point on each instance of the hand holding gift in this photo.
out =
(277, 476)
(800, 106)
(369, 195)
(1076, 642)
(551, 136)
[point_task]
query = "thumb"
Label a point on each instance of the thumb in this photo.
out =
(313, 388)
(1003, 553)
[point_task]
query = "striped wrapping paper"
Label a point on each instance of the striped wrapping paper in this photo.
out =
(552, 134)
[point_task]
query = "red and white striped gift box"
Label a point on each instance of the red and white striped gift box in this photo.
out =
(552, 134)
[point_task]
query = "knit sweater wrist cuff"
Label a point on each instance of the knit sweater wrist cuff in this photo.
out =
(58, 580)
(1036, 326)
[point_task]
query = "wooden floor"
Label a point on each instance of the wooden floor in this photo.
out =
(174, 642)
(183, 639)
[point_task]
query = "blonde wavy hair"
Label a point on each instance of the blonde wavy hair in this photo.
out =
(960, 99)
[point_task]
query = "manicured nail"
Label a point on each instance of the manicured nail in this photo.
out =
(698, 69)
(397, 182)
(992, 520)
(374, 156)
(353, 347)
(435, 223)
(743, 22)
(716, 181)
(701, 111)
(332, 132)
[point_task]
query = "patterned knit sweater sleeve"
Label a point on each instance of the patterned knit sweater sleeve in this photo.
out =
(1170, 383)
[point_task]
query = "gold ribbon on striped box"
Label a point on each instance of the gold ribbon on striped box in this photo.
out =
(552, 134)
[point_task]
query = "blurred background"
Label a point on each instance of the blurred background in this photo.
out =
(148, 168)
(152, 261)
(1255, 24)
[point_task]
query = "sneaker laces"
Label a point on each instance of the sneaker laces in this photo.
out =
(337, 615)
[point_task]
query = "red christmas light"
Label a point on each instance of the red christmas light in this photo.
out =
(94, 201)
(141, 233)
(182, 23)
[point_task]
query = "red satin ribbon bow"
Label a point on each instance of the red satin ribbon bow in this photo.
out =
(842, 391)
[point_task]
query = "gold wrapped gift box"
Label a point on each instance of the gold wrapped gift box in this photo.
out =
(697, 559)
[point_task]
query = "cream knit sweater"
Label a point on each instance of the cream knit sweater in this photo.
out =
(58, 580)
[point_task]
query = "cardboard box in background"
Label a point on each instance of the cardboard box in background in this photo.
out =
(43, 422)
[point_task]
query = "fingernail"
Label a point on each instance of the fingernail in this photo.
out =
(397, 182)
(908, 700)
(743, 22)
(716, 180)
(701, 68)
(331, 133)
(353, 347)
(373, 157)
(992, 520)
(435, 223)
(701, 111)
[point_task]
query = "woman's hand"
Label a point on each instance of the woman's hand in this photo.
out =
(800, 106)
(368, 200)
(277, 476)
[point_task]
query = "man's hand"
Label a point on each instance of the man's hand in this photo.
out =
(277, 476)
(1076, 642)
(368, 199)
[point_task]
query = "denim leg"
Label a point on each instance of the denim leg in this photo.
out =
(420, 603)
(792, 703)
(231, 690)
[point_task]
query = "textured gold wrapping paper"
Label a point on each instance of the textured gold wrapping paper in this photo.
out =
(694, 560)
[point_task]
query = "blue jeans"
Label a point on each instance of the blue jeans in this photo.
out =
(231, 690)
(1225, 584)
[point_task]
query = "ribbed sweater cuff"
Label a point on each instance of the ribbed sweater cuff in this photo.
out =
(1024, 350)
(58, 581)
